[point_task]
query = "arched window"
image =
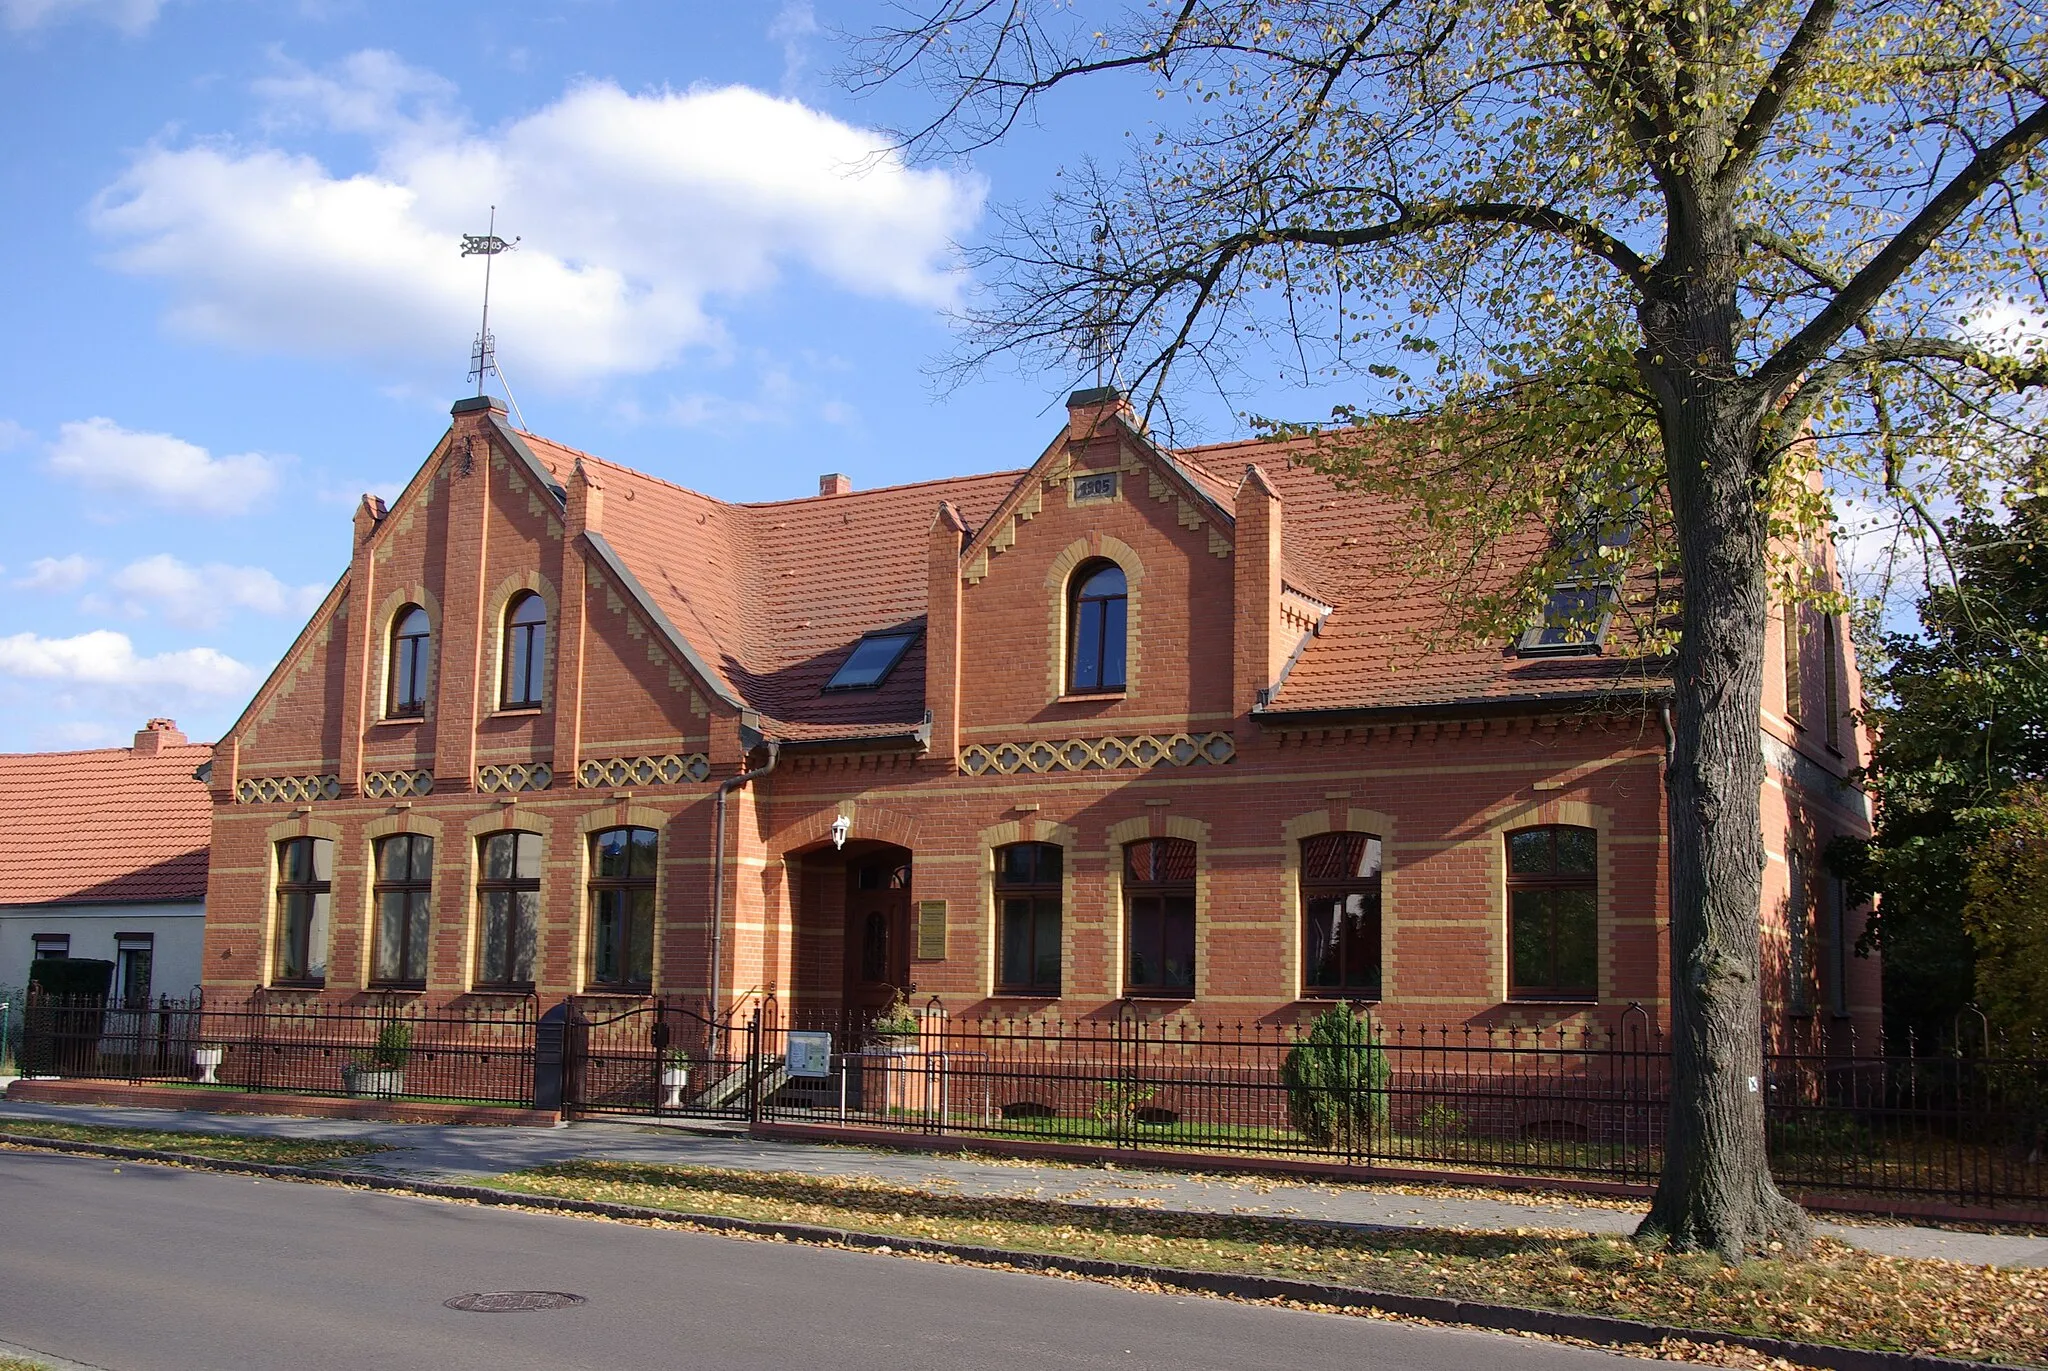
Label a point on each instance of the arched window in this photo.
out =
(411, 635)
(1553, 913)
(404, 893)
(1159, 917)
(1097, 616)
(622, 907)
(1028, 918)
(1340, 901)
(526, 652)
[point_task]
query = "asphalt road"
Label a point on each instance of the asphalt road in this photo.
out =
(143, 1268)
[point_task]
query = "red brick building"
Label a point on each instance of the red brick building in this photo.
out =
(1128, 731)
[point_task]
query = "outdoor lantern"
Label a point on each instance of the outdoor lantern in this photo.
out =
(841, 826)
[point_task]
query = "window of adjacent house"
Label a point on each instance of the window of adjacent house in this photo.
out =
(305, 881)
(1340, 900)
(508, 907)
(1790, 627)
(1159, 917)
(1553, 914)
(134, 964)
(52, 945)
(526, 652)
(1097, 619)
(411, 636)
(622, 864)
(1028, 918)
(1831, 679)
(404, 897)
(1798, 936)
(871, 661)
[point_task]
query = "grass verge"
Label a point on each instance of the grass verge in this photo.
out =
(1839, 1296)
(238, 1147)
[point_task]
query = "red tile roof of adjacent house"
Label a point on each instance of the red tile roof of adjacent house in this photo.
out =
(111, 825)
(773, 596)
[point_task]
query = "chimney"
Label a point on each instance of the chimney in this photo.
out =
(1089, 410)
(835, 483)
(1259, 647)
(156, 735)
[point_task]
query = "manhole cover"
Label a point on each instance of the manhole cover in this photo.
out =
(512, 1301)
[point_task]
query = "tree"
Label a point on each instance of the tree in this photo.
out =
(1960, 714)
(2007, 915)
(1336, 1078)
(1727, 241)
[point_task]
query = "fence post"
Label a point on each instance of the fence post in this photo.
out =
(754, 1067)
(548, 1046)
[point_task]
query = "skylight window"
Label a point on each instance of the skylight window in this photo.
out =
(871, 660)
(1579, 608)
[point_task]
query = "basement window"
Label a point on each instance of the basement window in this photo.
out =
(871, 660)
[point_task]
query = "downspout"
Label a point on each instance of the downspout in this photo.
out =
(725, 788)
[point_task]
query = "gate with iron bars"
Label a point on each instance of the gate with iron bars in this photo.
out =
(667, 1057)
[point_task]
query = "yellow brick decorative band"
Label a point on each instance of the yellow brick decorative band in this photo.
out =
(514, 776)
(395, 785)
(263, 790)
(1138, 752)
(672, 769)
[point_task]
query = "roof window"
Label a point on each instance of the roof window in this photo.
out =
(1580, 607)
(872, 659)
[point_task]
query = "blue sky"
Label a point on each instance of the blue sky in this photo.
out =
(233, 301)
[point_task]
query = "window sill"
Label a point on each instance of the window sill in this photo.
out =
(518, 711)
(398, 987)
(1092, 697)
(1576, 1001)
(636, 992)
(399, 721)
(1338, 996)
(1168, 996)
(1012, 993)
(520, 988)
(296, 985)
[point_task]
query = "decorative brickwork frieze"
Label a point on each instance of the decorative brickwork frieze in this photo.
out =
(263, 790)
(1139, 752)
(514, 776)
(380, 785)
(672, 769)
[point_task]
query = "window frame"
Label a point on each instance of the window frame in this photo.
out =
(411, 652)
(512, 887)
(1554, 880)
(908, 636)
(410, 888)
(1036, 893)
(1168, 895)
(597, 886)
(1076, 601)
(129, 949)
(524, 654)
(1328, 887)
(314, 888)
(41, 945)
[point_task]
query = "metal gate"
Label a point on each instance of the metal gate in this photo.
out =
(665, 1058)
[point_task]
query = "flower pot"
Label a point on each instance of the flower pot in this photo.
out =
(673, 1079)
(896, 1044)
(208, 1060)
(373, 1082)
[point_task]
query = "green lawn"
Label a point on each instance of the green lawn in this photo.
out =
(240, 1147)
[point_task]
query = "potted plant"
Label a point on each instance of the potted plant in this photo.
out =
(208, 1057)
(675, 1075)
(380, 1072)
(896, 1026)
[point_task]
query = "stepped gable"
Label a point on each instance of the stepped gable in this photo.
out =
(112, 825)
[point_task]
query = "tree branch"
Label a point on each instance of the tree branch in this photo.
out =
(2010, 372)
(1786, 74)
(1539, 218)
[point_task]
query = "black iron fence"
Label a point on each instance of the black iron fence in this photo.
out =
(379, 1050)
(666, 1056)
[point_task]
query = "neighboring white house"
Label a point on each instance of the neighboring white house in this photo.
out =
(103, 854)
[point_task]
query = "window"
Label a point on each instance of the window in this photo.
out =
(1831, 678)
(1340, 899)
(1790, 626)
(1028, 918)
(1095, 652)
(1798, 922)
(52, 945)
(622, 907)
(1838, 947)
(1159, 917)
(305, 875)
(1580, 606)
(871, 660)
(1553, 914)
(406, 696)
(404, 892)
(508, 902)
(134, 963)
(526, 652)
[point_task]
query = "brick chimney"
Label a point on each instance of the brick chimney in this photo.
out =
(835, 483)
(156, 735)
(1088, 411)
(1260, 646)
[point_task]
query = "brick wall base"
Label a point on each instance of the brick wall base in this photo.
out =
(256, 1102)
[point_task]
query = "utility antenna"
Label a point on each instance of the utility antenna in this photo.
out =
(1098, 332)
(483, 358)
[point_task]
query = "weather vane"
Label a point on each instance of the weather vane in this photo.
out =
(483, 358)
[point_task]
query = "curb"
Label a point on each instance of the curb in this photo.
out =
(1505, 1318)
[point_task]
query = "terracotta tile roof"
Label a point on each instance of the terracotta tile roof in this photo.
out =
(111, 825)
(773, 596)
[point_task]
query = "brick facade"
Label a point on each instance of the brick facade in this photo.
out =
(1266, 700)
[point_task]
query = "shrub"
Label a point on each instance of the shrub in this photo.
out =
(394, 1046)
(1336, 1079)
(1121, 1102)
(72, 977)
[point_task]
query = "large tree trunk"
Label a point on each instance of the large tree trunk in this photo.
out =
(1716, 1190)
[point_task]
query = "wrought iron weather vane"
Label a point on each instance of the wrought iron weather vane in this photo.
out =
(483, 358)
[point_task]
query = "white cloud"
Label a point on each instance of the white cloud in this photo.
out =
(58, 575)
(795, 24)
(108, 659)
(129, 16)
(202, 596)
(639, 212)
(169, 471)
(13, 435)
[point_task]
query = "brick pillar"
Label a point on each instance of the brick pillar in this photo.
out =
(585, 513)
(1258, 651)
(461, 637)
(942, 635)
(359, 649)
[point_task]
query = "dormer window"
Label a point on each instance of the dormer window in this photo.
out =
(872, 659)
(1579, 608)
(1097, 618)
(411, 633)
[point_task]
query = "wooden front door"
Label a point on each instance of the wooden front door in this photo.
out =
(877, 935)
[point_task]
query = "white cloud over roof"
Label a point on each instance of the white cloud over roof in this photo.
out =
(101, 455)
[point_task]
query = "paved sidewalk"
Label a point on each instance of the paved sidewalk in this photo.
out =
(438, 1152)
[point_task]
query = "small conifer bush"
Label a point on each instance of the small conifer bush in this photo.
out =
(1336, 1078)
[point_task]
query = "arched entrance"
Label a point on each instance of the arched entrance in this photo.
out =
(876, 955)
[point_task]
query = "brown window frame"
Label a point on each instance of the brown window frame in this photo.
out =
(1035, 894)
(1342, 888)
(1552, 881)
(312, 889)
(599, 887)
(525, 655)
(511, 887)
(1076, 600)
(1170, 902)
(410, 889)
(410, 652)
(1831, 682)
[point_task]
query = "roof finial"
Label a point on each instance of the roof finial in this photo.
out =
(483, 358)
